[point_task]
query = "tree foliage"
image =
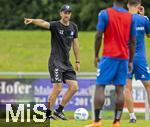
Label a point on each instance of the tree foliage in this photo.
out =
(13, 12)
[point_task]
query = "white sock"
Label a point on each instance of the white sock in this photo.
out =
(132, 116)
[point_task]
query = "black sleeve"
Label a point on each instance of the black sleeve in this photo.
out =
(76, 31)
(52, 24)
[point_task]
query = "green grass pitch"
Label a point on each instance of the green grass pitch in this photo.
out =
(107, 121)
(28, 51)
(73, 123)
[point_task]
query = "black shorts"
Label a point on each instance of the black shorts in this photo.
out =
(58, 75)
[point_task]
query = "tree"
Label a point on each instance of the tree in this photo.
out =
(85, 12)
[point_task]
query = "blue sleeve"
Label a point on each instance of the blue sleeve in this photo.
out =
(147, 25)
(133, 28)
(102, 20)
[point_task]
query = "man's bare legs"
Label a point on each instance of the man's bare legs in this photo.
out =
(129, 100)
(99, 102)
(147, 88)
(57, 87)
(119, 102)
(72, 89)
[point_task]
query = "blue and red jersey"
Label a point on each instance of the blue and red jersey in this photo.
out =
(118, 26)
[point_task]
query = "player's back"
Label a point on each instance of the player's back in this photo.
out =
(117, 33)
(141, 30)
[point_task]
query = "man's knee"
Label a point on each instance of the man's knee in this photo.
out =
(120, 100)
(120, 93)
(148, 89)
(127, 91)
(57, 88)
(74, 87)
(146, 85)
(119, 90)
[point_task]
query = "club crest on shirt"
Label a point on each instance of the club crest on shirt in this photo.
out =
(142, 76)
(61, 32)
(72, 33)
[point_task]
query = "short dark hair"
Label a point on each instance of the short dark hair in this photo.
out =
(121, 1)
(134, 2)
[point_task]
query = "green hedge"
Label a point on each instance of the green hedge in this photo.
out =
(13, 12)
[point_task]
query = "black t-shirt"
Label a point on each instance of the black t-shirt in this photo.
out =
(61, 42)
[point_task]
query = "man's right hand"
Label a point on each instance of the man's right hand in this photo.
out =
(96, 61)
(28, 21)
(38, 22)
(130, 66)
(141, 10)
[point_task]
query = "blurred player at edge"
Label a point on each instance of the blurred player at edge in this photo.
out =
(140, 66)
(64, 34)
(119, 30)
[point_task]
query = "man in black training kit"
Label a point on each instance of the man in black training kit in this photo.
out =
(64, 34)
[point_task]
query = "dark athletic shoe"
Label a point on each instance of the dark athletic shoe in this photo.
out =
(50, 117)
(132, 121)
(60, 115)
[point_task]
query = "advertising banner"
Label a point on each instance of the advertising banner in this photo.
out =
(37, 91)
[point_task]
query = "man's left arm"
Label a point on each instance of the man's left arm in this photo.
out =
(147, 24)
(132, 43)
(101, 26)
(97, 46)
(147, 27)
(76, 50)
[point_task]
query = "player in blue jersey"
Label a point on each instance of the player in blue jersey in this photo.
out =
(140, 66)
(119, 28)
